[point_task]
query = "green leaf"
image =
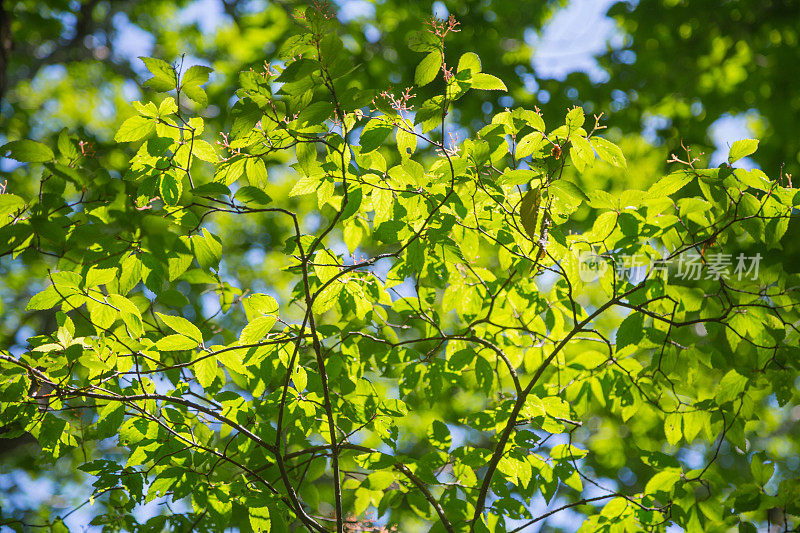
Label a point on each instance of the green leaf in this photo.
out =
(66, 146)
(487, 82)
(670, 184)
(327, 298)
(730, 387)
(197, 94)
(439, 435)
(259, 519)
(362, 500)
(747, 527)
(101, 315)
(567, 189)
(299, 69)
(207, 249)
(300, 378)
(245, 114)
(176, 342)
(609, 152)
(604, 224)
(259, 304)
(307, 157)
(326, 265)
(174, 298)
(406, 142)
(130, 314)
(135, 129)
(316, 113)
(330, 47)
(99, 276)
(180, 325)
(374, 134)
(581, 153)
(10, 203)
(529, 212)
(761, 470)
(27, 151)
(519, 176)
(471, 62)
(212, 189)
(58, 526)
(130, 273)
(256, 171)
(257, 329)
(672, 428)
(148, 110)
(741, 149)
(382, 480)
(693, 422)
(166, 107)
(196, 75)
(428, 68)
(170, 188)
(423, 41)
(164, 77)
(353, 233)
(566, 452)
(253, 195)
(663, 481)
(483, 373)
(46, 299)
(575, 119)
(615, 508)
(566, 197)
(305, 186)
(429, 114)
(203, 150)
(631, 331)
(205, 370)
(532, 143)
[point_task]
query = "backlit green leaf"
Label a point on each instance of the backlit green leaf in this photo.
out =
(487, 82)
(27, 151)
(741, 149)
(428, 68)
(135, 129)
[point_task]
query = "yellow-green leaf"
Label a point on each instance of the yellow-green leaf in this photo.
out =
(741, 149)
(175, 342)
(609, 152)
(428, 68)
(487, 82)
(180, 325)
(205, 370)
(259, 519)
(135, 129)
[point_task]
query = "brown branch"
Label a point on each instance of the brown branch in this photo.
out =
(520, 402)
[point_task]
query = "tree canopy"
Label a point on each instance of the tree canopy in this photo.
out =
(354, 275)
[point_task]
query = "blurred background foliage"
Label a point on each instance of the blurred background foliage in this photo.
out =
(664, 73)
(667, 69)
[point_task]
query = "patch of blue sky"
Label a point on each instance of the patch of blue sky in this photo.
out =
(349, 10)
(572, 39)
(131, 42)
(209, 15)
(725, 131)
